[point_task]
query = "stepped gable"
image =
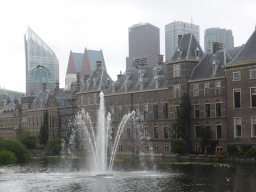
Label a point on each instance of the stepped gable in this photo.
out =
(131, 76)
(204, 69)
(187, 47)
(248, 52)
(97, 81)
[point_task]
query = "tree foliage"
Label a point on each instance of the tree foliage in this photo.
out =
(206, 136)
(177, 146)
(27, 139)
(54, 146)
(181, 126)
(44, 130)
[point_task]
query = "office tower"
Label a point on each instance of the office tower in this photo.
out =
(82, 64)
(144, 42)
(172, 31)
(217, 35)
(42, 65)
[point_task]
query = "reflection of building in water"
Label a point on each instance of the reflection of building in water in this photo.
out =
(42, 64)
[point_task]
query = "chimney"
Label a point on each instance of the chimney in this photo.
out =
(217, 46)
(98, 64)
(119, 75)
(57, 84)
(179, 39)
(144, 61)
(160, 59)
(44, 86)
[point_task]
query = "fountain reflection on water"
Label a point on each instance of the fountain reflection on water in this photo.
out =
(100, 142)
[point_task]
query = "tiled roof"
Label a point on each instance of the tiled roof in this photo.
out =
(8, 110)
(187, 47)
(97, 81)
(93, 57)
(3, 97)
(248, 52)
(41, 100)
(149, 75)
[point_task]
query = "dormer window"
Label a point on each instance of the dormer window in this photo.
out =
(95, 80)
(108, 81)
(214, 66)
(178, 53)
(197, 53)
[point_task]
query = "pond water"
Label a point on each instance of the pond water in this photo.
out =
(73, 175)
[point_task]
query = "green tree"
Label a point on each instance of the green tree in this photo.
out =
(44, 130)
(27, 139)
(54, 146)
(206, 136)
(181, 126)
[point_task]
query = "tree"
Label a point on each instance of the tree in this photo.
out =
(27, 139)
(181, 126)
(44, 130)
(206, 135)
(54, 146)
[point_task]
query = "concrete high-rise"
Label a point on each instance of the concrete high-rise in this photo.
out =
(217, 35)
(42, 65)
(144, 42)
(172, 31)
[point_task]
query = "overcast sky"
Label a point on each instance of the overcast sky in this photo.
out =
(66, 25)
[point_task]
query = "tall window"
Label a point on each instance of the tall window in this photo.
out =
(253, 126)
(146, 148)
(156, 132)
(137, 133)
(112, 134)
(196, 89)
(176, 91)
(253, 74)
(88, 99)
(120, 113)
(236, 76)
(197, 129)
(95, 98)
(217, 87)
(165, 110)
(206, 88)
(176, 109)
(156, 148)
(253, 97)
(120, 147)
(128, 133)
(237, 98)
(218, 110)
(218, 131)
(166, 131)
(166, 149)
(112, 112)
(82, 98)
(146, 112)
(146, 133)
(238, 127)
(207, 110)
(128, 109)
(176, 70)
(137, 111)
(155, 111)
(196, 111)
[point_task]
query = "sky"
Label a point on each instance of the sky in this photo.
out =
(66, 25)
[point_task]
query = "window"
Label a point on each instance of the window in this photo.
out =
(128, 133)
(217, 87)
(166, 131)
(146, 112)
(137, 133)
(238, 127)
(253, 74)
(197, 129)
(155, 111)
(137, 111)
(112, 111)
(253, 97)
(253, 126)
(166, 149)
(112, 134)
(218, 110)
(236, 76)
(156, 148)
(146, 133)
(128, 109)
(120, 147)
(146, 148)
(207, 110)
(156, 132)
(206, 88)
(95, 98)
(176, 91)
(218, 131)
(120, 113)
(88, 99)
(176, 70)
(237, 98)
(165, 110)
(196, 90)
(82, 98)
(218, 148)
(176, 109)
(196, 111)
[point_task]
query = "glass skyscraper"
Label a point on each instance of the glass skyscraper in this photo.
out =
(172, 30)
(42, 65)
